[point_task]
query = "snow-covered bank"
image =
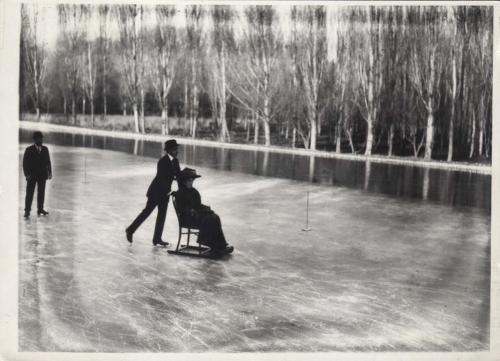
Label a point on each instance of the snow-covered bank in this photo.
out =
(456, 166)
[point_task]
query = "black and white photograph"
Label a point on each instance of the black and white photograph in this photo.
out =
(258, 178)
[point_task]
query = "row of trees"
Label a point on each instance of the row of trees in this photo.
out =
(372, 78)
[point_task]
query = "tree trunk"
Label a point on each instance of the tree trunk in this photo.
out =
(369, 134)
(338, 137)
(38, 113)
(267, 127)
(390, 139)
(481, 139)
(313, 134)
(481, 126)
(195, 126)
(429, 135)
(73, 110)
(186, 105)
(83, 106)
(267, 133)
(265, 90)
(65, 105)
(194, 103)
(92, 113)
(136, 117)
(224, 130)
(371, 114)
(452, 115)
(349, 137)
(104, 85)
(165, 120)
(143, 123)
(473, 135)
(294, 137)
(90, 84)
(429, 139)
(248, 130)
(124, 109)
(256, 130)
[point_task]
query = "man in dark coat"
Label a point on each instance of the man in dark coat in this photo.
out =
(158, 193)
(37, 169)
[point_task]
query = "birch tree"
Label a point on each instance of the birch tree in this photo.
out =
(256, 73)
(165, 57)
(369, 60)
(104, 50)
(129, 23)
(426, 64)
(194, 20)
(90, 61)
(73, 33)
(33, 54)
(482, 66)
(312, 59)
(222, 40)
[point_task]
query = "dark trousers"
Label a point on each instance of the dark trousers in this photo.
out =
(151, 204)
(30, 191)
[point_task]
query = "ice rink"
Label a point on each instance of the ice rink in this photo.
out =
(376, 273)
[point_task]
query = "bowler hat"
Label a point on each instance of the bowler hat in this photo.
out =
(188, 173)
(170, 144)
(37, 135)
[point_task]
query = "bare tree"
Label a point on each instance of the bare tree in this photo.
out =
(70, 18)
(222, 39)
(256, 72)
(339, 80)
(194, 20)
(165, 57)
(369, 56)
(34, 54)
(104, 49)
(129, 23)
(90, 61)
(427, 61)
(456, 52)
(311, 61)
(482, 65)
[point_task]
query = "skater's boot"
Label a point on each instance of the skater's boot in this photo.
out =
(129, 236)
(160, 243)
(42, 212)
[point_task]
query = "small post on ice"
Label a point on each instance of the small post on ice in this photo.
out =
(84, 169)
(306, 228)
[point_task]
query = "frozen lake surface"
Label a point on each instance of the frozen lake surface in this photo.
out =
(377, 272)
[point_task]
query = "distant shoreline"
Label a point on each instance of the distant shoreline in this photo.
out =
(454, 166)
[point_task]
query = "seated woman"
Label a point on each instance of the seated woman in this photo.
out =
(197, 215)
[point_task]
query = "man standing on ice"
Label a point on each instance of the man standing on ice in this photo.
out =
(37, 169)
(158, 193)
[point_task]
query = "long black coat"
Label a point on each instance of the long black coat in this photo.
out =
(37, 165)
(194, 214)
(166, 171)
(188, 203)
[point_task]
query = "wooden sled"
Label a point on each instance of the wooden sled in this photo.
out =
(199, 251)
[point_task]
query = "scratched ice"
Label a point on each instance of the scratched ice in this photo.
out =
(376, 273)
